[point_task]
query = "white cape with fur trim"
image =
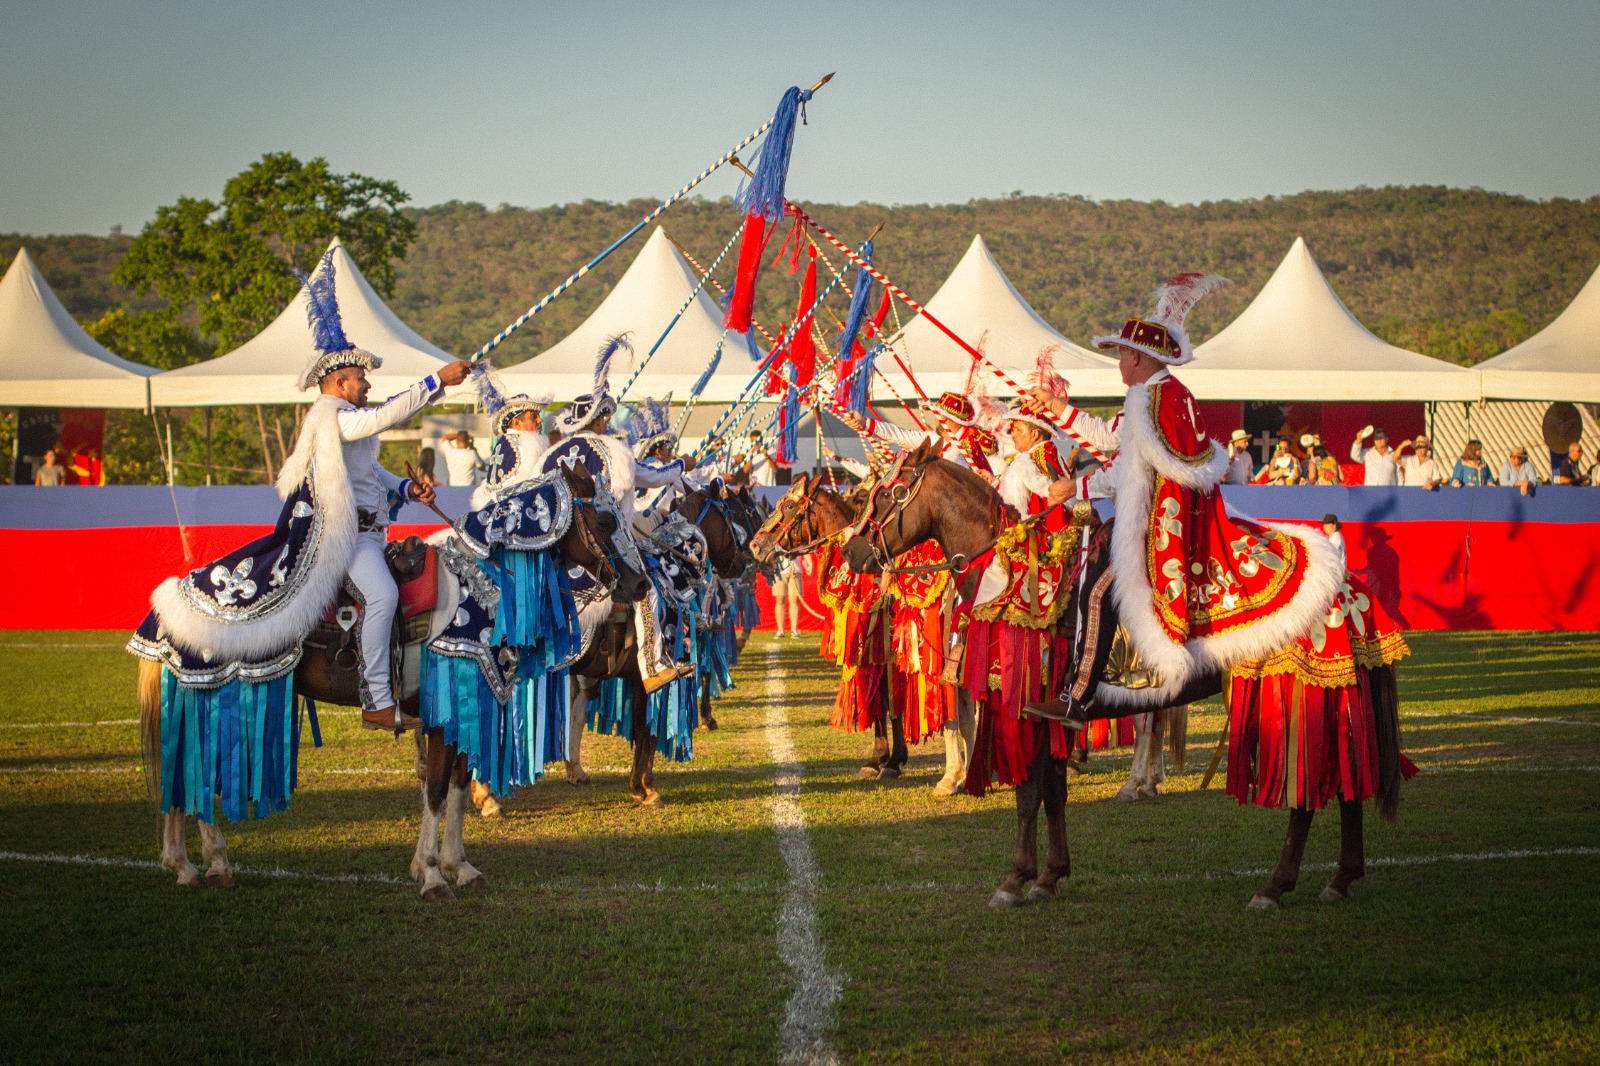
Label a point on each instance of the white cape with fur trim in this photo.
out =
(1140, 459)
(191, 621)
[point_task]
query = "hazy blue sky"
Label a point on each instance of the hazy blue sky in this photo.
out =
(109, 110)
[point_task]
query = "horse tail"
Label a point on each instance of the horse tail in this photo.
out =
(149, 688)
(1178, 736)
(1386, 724)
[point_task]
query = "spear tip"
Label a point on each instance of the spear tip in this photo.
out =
(825, 80)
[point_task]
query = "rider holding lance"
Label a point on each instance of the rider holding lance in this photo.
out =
(959, 437)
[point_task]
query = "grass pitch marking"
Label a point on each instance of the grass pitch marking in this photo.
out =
(808, 1022)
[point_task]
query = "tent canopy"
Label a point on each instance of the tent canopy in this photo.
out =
(1560, 362)
(984, 309)
(654, 288)
(1298, 341)
(265, 369)
(48, 360)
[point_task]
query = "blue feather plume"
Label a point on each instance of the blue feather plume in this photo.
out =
(489, 394)
(322, 308)
(763, 194)
(608, 352)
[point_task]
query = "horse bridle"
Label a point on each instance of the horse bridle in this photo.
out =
(606, 552)
(780, 533)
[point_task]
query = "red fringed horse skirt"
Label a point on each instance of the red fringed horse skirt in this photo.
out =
(1008, 666)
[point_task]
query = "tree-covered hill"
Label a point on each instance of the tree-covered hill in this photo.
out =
(1461, 274)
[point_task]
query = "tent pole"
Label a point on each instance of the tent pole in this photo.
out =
(208, 445)
(266, 455)
(283, 449)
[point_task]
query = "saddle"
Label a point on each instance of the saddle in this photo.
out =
(415, 569)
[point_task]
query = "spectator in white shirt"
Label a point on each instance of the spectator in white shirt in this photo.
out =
(1330, 529)
(462, 461)
(1240, 466)
(1419, 471)
(1378, 459)
(1516, 470)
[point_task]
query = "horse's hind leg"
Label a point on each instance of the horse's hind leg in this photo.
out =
(1352, 853)
(880, 747)
(453, 854)
(895, 764)
(175, 849)
(707, 719)
(579, 706)
(1288, 871)
(1058, 866)
(642, 779)
(1146, 744)
(425, 861)
(219, 872)
(484, 800)
(1025, 860)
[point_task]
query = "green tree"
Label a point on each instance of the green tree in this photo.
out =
(231, 264)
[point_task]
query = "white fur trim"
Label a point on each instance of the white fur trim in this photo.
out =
(194, 631)
(1143, 457)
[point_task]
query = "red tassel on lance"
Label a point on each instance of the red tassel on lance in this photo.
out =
(741, 307)
(803, 349)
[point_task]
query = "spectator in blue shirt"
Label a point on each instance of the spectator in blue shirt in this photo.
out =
(1470, 470)
(1517, 471)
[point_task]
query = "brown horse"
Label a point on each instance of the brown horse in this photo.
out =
(932, 499)
(443, 770)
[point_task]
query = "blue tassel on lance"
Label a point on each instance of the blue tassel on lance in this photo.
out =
(789, 431)
(763, 194)
(711, 368)
(322, 308)
(861, 383)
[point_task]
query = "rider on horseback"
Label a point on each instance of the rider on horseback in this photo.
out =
(518, 450)
(958, 436)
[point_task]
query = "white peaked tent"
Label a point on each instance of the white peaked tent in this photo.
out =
(46, 358)
(1297, 341)
(655, 287)
(266, 368)
(1560, 362)
(979, 303)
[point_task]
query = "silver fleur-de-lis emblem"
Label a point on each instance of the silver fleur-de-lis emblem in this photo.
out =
(280, 569)
(230, 586)
(540, 513)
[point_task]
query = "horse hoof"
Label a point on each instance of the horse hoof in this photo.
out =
(1040, 894)
(1003, 899)
(888, 773)
(438, 894)
(1333, 895)
(492, 808)
(1258, 902)
(868, 773)
(710, 722)
(576, 777)
(189, 878)
(220, 879)
(945, 786)
(475, 882)
(652, 800)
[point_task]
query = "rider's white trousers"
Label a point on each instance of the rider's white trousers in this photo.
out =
(370, 575)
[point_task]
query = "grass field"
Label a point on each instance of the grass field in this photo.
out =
(614, 934)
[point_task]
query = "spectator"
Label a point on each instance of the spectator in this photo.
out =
(1239, 465)
(425, 466)
(1330, 529)
(1518, 471)
(50, 472)
(1571, 471)
(1419, 471)
(1284, 469)
(1324, 468)
(763, 471)
(1470, 470)
(786, 590)
(462, 461)
(1378, 459)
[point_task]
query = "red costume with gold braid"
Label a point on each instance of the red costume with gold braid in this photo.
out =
(855, 640)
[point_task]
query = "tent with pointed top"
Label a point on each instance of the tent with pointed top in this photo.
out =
(48, 360)
(655, 287)
(1560, 362)
(980, 304)
(264, 369)
(1298, 341)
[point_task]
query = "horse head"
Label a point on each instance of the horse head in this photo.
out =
(923, 498)
(592, 540)
(708, 510)
(802, 521)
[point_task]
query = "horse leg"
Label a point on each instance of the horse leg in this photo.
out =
(453, 854)
(895, 764)
(578, 707)
(1025, 860)
(1058, 866)
(1155, 760)
(420, 738)
(484, 800)
(425, 861)
(219, 872)
(880, 749)
(1133, 788)
(641, 781)
(175, 849)
(707, 719)
(1288, 871)
(1352, 853)
(947, 785)
(967, 725)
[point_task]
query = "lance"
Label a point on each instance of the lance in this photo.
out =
(620, 241)
(416, 480)
(693, 295)
(946, 330)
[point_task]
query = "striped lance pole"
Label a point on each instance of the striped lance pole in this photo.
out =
(693, 295)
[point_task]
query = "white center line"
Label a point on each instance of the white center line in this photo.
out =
(808, 1019)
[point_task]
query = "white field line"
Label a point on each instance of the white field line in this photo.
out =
(764, 888)
(808, 1022)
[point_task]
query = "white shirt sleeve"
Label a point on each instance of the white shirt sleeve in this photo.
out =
(655, 475)
(904, 438)
(1106, 436)
(358, 422)
(1357, 452)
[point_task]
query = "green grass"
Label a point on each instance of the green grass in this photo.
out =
(624, 935)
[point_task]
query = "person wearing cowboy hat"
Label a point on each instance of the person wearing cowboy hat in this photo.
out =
(1240, 466)
(956, 432)
(1419, 470)
(1196, 586)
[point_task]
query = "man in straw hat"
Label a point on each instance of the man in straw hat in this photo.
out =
(1240, 466)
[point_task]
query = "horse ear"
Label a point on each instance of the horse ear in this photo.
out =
(802, 485)
(922, 453)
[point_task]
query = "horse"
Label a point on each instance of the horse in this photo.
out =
(320, 677)
(927, 498)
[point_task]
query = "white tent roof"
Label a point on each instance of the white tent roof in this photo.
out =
(977, 299)
(653, 289)
(48, 360)
(1297, 341)
(265, 368)
(1560, 362)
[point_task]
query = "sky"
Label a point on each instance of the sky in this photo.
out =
(109, 110)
